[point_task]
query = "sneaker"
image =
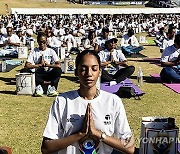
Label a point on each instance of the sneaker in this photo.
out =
(111, 83)
(39, 91)
(51, 91)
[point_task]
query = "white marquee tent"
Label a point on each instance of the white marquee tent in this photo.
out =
(94, 10)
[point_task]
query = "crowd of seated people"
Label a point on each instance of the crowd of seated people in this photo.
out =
(96, 32)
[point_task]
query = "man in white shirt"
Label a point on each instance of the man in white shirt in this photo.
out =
(100, 41)
(169, 40)
(160, 36)
(79, 34)
(114, 64)
(68, 40)
(170, 60)
(52, 40)
(130, 44)
(2, 29)
(45, 63)
(9, 42)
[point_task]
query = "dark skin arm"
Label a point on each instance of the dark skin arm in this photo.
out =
(123, 63)
(97, 49)
(88, 130)
(9, 43)
(42, 63)
(173, 63)
(49, 145)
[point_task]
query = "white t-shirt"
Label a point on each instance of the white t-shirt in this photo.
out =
(167, 55)
(125, 41)
(118, 56)
(67, 114)
(170, 54)
(53, 41)
(101, 41)
(166, 43)
(49, 54)
(13, 38)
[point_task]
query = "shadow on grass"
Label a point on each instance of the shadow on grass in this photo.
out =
(71, 78)
(147, 79)
(9, 81)
(8, 92)
(137, 55)
(149, 45)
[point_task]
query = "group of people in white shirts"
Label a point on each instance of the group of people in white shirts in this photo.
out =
(87, 118)
(86, 32)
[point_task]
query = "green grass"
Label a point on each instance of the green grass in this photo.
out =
(23, 118)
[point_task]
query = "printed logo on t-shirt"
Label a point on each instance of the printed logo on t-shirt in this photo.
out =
(107, 119)
(47, 57)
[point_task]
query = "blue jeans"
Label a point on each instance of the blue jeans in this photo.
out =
(168, 75)
(131, 49)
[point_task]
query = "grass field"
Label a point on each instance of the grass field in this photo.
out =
(23, 118)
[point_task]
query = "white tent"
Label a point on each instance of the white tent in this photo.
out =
(94, 10)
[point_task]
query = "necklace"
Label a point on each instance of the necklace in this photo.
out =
(96, 94)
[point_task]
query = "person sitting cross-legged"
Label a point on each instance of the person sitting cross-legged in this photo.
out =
(130, 44)
(114, 64)
(9, 43)
(45, 62)
(170, 61)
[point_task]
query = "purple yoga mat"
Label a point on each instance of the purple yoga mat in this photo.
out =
(113, 89)
(174, 86)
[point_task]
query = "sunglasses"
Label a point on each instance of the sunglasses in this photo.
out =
(42, 42)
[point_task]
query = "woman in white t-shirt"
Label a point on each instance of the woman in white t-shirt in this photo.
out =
(87, 120)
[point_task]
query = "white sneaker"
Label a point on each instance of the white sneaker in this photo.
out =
(51, 91)
(111, 83)
(39, 91)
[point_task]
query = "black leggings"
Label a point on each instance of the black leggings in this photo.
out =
(119, 76)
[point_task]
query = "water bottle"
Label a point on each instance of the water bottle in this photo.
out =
(139, 77)
(3, 65)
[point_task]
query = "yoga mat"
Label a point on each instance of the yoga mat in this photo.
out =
(174, 86)
(113, 89)
(11, 64)
(8, 67)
